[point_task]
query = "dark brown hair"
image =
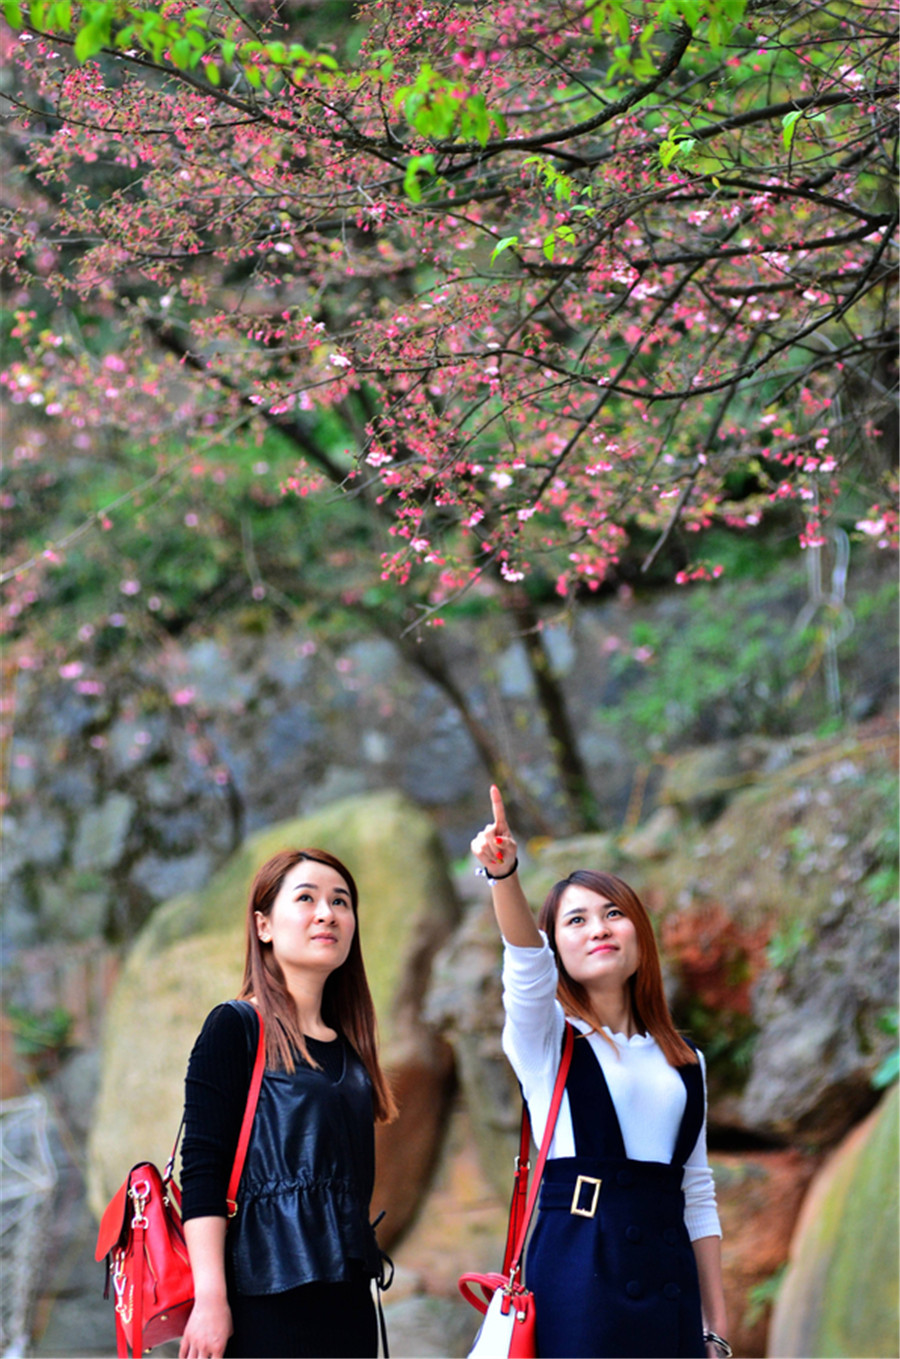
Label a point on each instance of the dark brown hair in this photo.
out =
(346, 1000)
(648, 998)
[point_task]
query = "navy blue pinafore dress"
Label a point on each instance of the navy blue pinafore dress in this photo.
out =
(610, 1262)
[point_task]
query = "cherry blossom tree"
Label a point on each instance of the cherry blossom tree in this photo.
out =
(536, 286)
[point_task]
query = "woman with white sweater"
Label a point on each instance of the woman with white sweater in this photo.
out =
(625, 1259)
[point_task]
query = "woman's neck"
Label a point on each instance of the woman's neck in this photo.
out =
(614, 1011)
(306, 992)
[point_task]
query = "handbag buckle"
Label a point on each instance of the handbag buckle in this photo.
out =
(581, 1183)
(140, 1194)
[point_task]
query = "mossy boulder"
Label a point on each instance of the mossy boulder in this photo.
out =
(840, 1294)
(189, 957)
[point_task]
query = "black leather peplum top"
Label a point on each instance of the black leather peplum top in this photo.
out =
(304, 1198)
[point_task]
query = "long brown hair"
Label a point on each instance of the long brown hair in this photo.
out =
(648, 998)
(346, 999)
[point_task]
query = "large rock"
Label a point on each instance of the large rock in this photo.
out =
(189, 957)
(840, 1294)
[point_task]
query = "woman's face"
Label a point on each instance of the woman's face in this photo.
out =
(596, 941)
(311, 924)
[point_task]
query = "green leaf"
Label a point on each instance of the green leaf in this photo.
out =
(475, 120)
(423, 121)
(788, 124)
(505, 244)
(416, 166)
(12, 13)
(887, 1072)
(89, 41)
(37, 13)
(549, 246)
(211, 71)
(180, 52)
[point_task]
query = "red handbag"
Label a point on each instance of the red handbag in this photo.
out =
(146, 1255)
(510, 1321)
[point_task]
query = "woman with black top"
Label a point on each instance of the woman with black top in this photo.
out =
(292, 1274)
(625, 1257)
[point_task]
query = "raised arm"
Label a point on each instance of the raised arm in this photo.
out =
(495, 850)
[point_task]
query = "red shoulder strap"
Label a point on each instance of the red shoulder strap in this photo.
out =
(240, 1156)
(520, 1189)
(555, 1101)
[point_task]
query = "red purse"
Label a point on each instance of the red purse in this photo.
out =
(146, 1255)
(510, 1321)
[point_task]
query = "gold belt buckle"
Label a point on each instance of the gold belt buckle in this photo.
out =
(580, 1183)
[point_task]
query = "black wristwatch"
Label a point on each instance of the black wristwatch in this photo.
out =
(710, 1338)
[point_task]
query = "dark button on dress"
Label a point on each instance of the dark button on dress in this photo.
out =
(623, 1281)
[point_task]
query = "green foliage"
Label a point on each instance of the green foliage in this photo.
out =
(787, 944)
(633, 48)
(186, 41)
(727, 1041)
(439, 109)
(701, 668)
(417, 165)
(505, 244)
(675, 147)
(763, 1295)
(39, 1034)
(889, 1069)
(733, 661)
(206, 536)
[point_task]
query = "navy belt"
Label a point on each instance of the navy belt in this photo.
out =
(578, 1184)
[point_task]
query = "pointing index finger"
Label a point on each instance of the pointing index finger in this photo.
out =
(499, 811)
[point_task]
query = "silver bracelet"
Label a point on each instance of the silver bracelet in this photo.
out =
(710, 1338)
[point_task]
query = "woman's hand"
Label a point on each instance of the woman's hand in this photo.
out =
(209, 1324)
(495, 850)
(494, 847)
(207, 1330)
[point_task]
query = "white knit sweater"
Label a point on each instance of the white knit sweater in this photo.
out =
(648, 1094)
